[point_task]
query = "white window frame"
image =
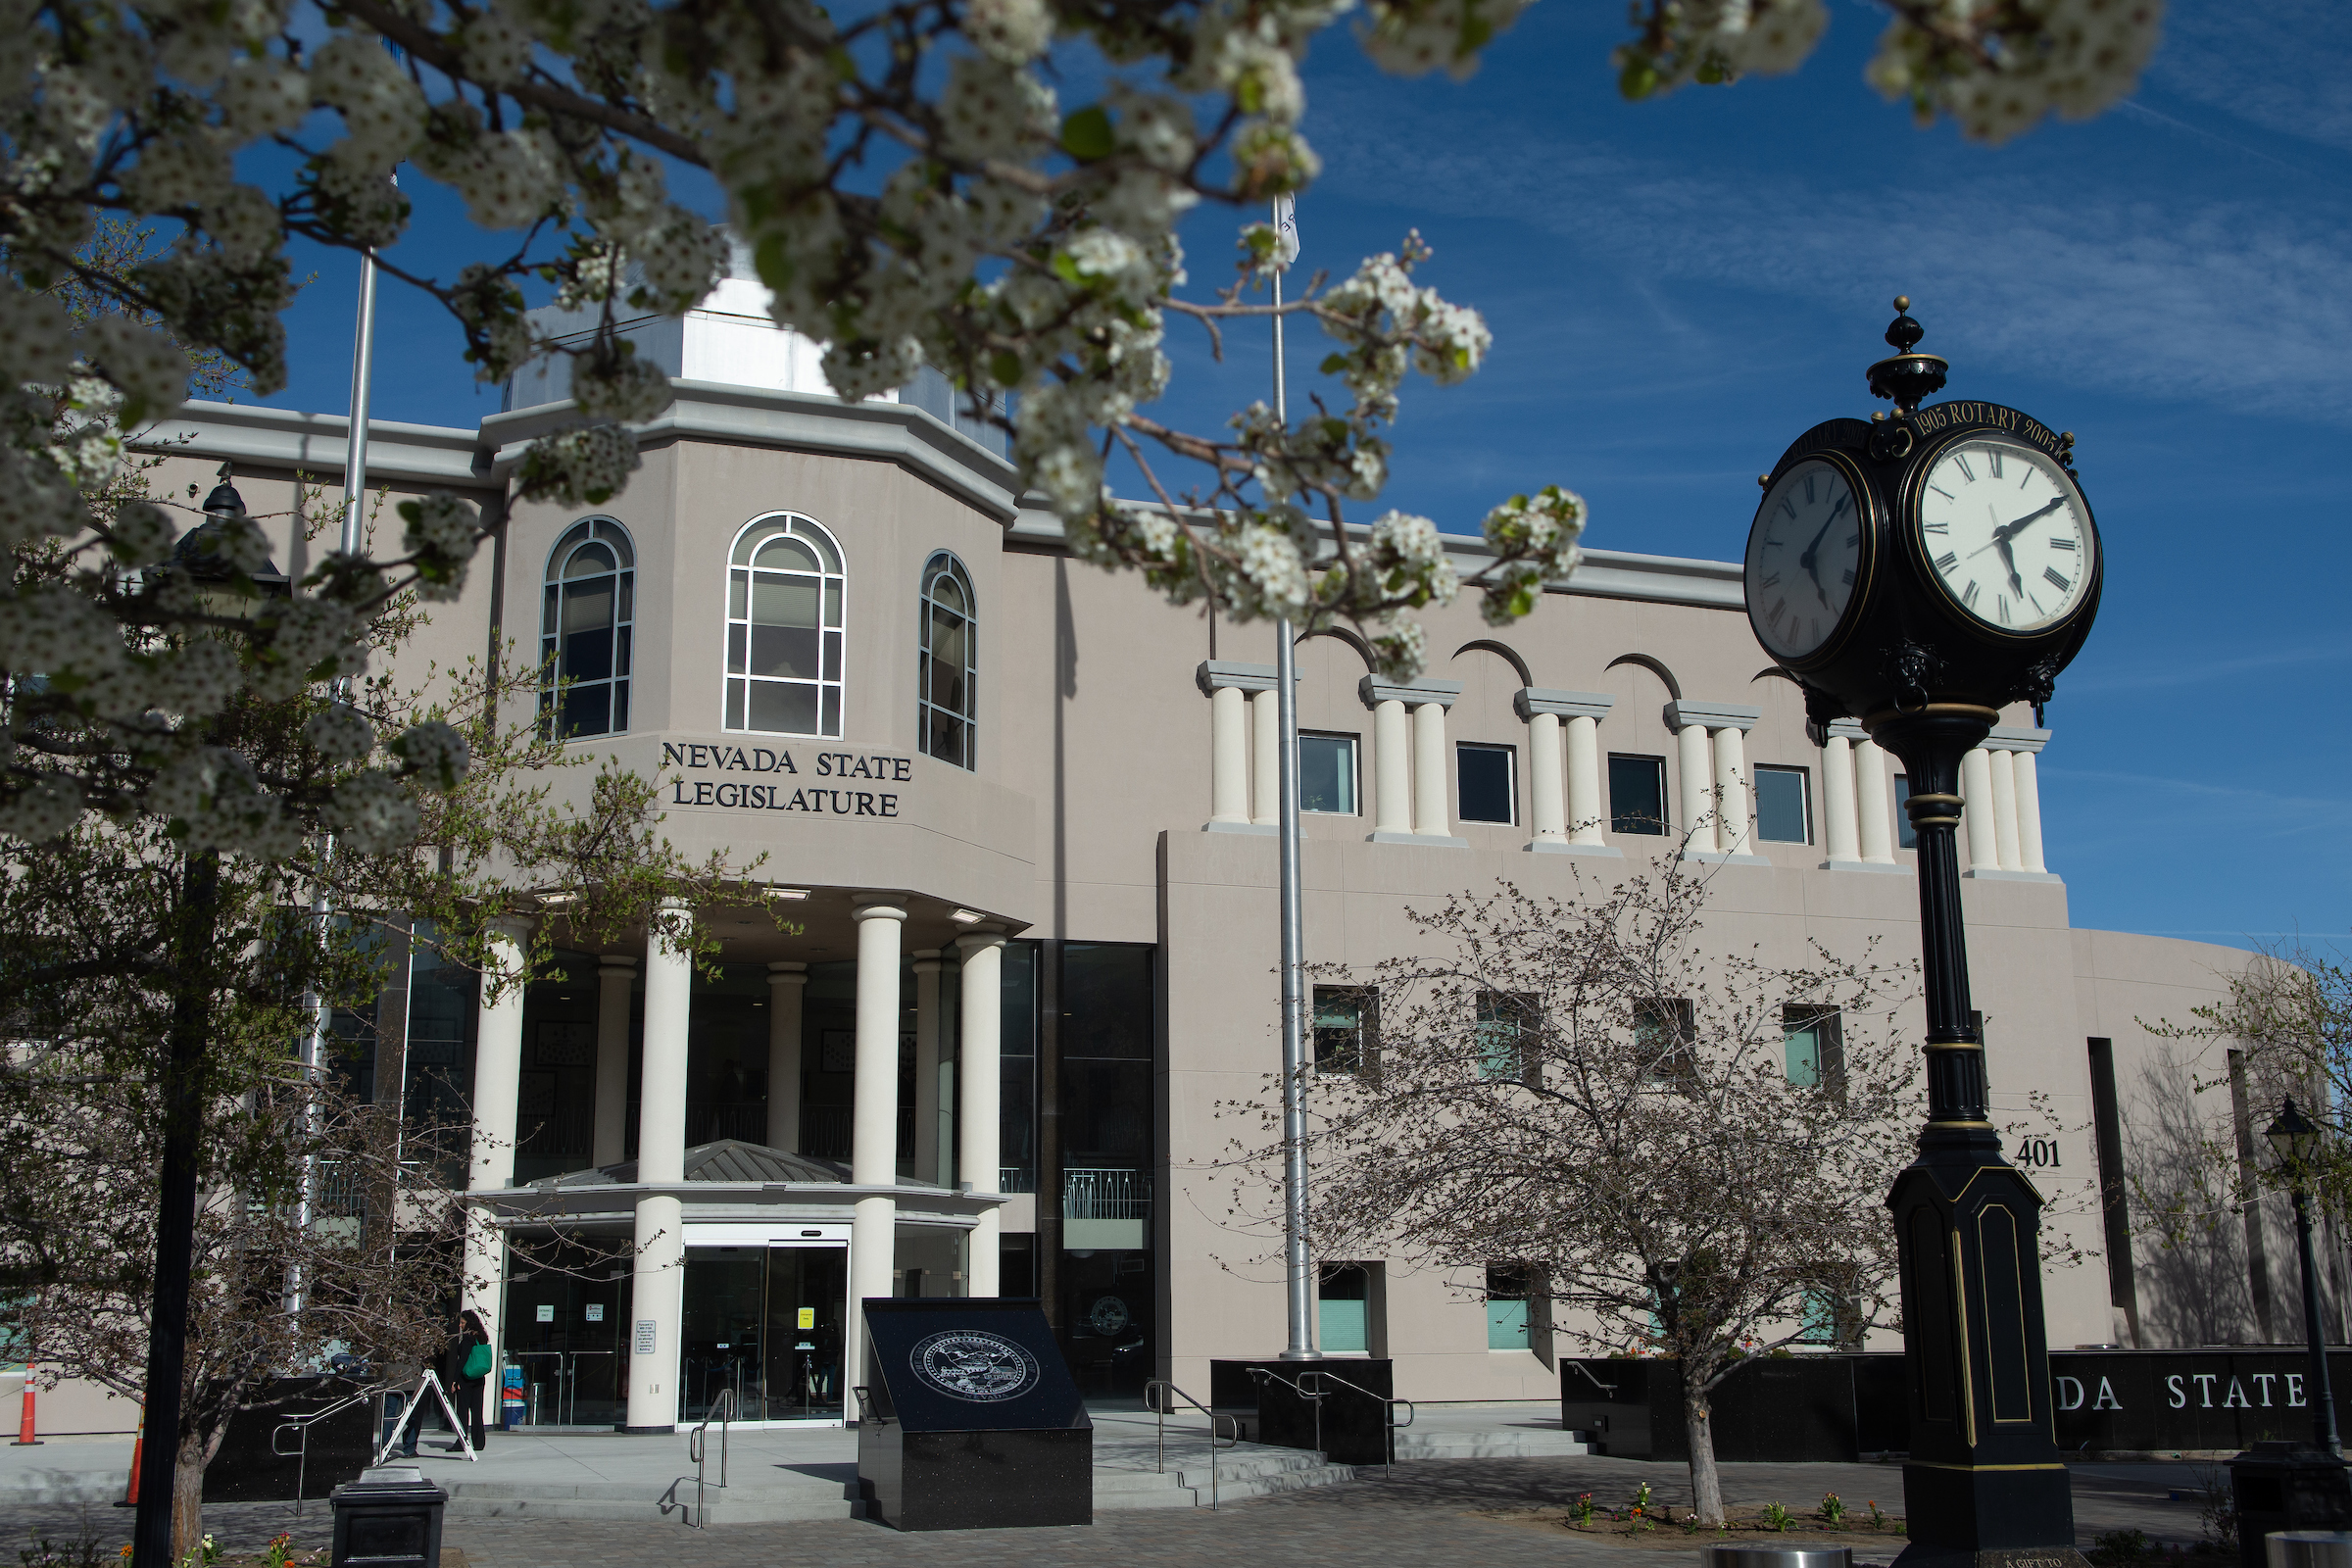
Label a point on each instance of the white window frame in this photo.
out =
(833, 563)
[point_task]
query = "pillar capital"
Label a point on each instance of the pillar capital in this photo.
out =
(2015, 738)
(979, 940)
(516, 928)
(1374, 691)
(787, 972)
(878, 906)
(1681, 714)
(615, 966)
(926, 960)
(1219, 674)
(1529, 700)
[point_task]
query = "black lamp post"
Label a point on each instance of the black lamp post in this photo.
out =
(2297, 1142)
(2295, 1484)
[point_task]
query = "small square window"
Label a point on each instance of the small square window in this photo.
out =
(1813, 1045)
(1506, 1036)
(1484, 784)
(1510, 1293)
(1905, 835)
(1785, 804)
(1347, 1020)
(1663, 1028)
(1327, 774)
(1637, 794)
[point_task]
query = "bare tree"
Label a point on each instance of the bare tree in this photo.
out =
(1682, 1148)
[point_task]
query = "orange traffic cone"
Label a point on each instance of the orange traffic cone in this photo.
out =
(25, 1436)
(138, 1446)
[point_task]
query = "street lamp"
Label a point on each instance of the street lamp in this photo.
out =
(2297, 1142)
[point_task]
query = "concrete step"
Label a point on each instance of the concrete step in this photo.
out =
(1488, 1444)
(68, 1487)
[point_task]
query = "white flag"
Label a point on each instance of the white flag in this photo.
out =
(1286, 232)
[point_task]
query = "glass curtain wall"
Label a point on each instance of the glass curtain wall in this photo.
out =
(555, 1121)
(1107, 1285)
(763, 1323)
(565, 1303)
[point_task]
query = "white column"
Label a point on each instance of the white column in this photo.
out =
(497, 1087)
(1548, 798)
(874, 1118)
(1432, 813)
(926, 1064)
(1588, 814)
(1391, 773)
(1697, 767)
(1731, 786)
(2005, 807)
(2028, 812)
(1228, 759)
(614, 978)
(1976, 790)
(977, 1059)
(659, 1291)
(1874, 804)
(786, 984)
(1838, 819)
(1266, 757)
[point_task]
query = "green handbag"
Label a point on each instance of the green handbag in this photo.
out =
(479, 1362)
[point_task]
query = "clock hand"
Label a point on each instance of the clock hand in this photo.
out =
(2012, 530)
(1812, 559)
(2017, 584)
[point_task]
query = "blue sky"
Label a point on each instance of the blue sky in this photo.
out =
(1678, 288)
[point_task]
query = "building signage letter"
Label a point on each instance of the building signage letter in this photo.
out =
(2070, 1393)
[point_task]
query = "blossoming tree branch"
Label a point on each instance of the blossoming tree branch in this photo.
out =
(912, 188)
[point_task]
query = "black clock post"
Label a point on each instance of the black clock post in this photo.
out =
(1926, 664)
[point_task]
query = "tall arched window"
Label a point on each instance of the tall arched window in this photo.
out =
(784, 628)
(584, 631)
(947, 676)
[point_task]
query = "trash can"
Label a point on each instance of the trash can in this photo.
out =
(388, 1518)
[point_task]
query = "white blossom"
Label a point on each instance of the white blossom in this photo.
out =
(372, 812)
(339, 732)
(436, 752)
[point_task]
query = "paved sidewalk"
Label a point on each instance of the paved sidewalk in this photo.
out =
(1436, 1513)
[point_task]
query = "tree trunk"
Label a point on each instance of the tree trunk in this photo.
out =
(157, 1533)
(1699, 1424)
(187, 1496)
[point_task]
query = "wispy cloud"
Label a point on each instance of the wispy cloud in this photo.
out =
(2177, 296)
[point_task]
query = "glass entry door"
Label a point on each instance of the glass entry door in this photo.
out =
(765, 1322)
(807, 1294)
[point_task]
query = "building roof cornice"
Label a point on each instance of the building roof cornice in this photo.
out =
(315, 443)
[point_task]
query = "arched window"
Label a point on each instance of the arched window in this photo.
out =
(584, 631)
(784, 628)
(947, 674)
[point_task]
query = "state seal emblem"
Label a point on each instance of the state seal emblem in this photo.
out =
(974, 1365)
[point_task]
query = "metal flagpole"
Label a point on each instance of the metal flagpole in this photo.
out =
(355, 493)
(1297, 1259)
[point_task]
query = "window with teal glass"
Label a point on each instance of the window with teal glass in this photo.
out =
(1505, 1033)
(785, 625)
(1344, 1029)
(586, 619)
(1811, 1043)
(1343, 1310)
(1510, 1295)
(1663, 1027)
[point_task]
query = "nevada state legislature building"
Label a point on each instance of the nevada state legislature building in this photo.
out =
(1019, 813)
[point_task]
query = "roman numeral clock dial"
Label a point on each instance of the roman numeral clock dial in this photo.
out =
(1810, 554)
(2005, 534)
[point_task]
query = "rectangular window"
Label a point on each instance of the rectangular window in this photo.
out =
(1347, 1018)
(1510, 1297)
(1327, 774)
(1905, 834)
(1345, 1310)
(1663, 1027)
(1485, 782)
(1813, 1044)
(1785, 804)
(1506, 1034)
(1637, 794)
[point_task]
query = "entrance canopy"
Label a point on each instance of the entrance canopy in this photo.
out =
(729, 1179)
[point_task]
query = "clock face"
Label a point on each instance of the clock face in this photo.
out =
(1806, 558)
(2006, 534)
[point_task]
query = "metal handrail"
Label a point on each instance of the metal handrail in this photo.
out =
(1586, 1373)
(1388, 1464)
(1314, 1397)
(300, 1426)
(1160, 1420)
(722, 1410)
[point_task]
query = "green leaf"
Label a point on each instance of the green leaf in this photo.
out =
(1086, 135)
(1006, 367)
(1638, 81)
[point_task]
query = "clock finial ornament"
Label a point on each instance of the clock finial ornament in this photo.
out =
(1908, 376)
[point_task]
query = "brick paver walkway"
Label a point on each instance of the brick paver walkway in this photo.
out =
(1432, 1513)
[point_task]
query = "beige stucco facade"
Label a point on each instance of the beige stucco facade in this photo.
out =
(1086, 819)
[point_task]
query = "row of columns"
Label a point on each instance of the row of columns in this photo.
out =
(1857, 800)
(1565, 804)
(1999, 781)
(1717, 813)
(1412, 804)
(652, 1335)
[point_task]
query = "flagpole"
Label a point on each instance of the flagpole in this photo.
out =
(1298, 1261)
